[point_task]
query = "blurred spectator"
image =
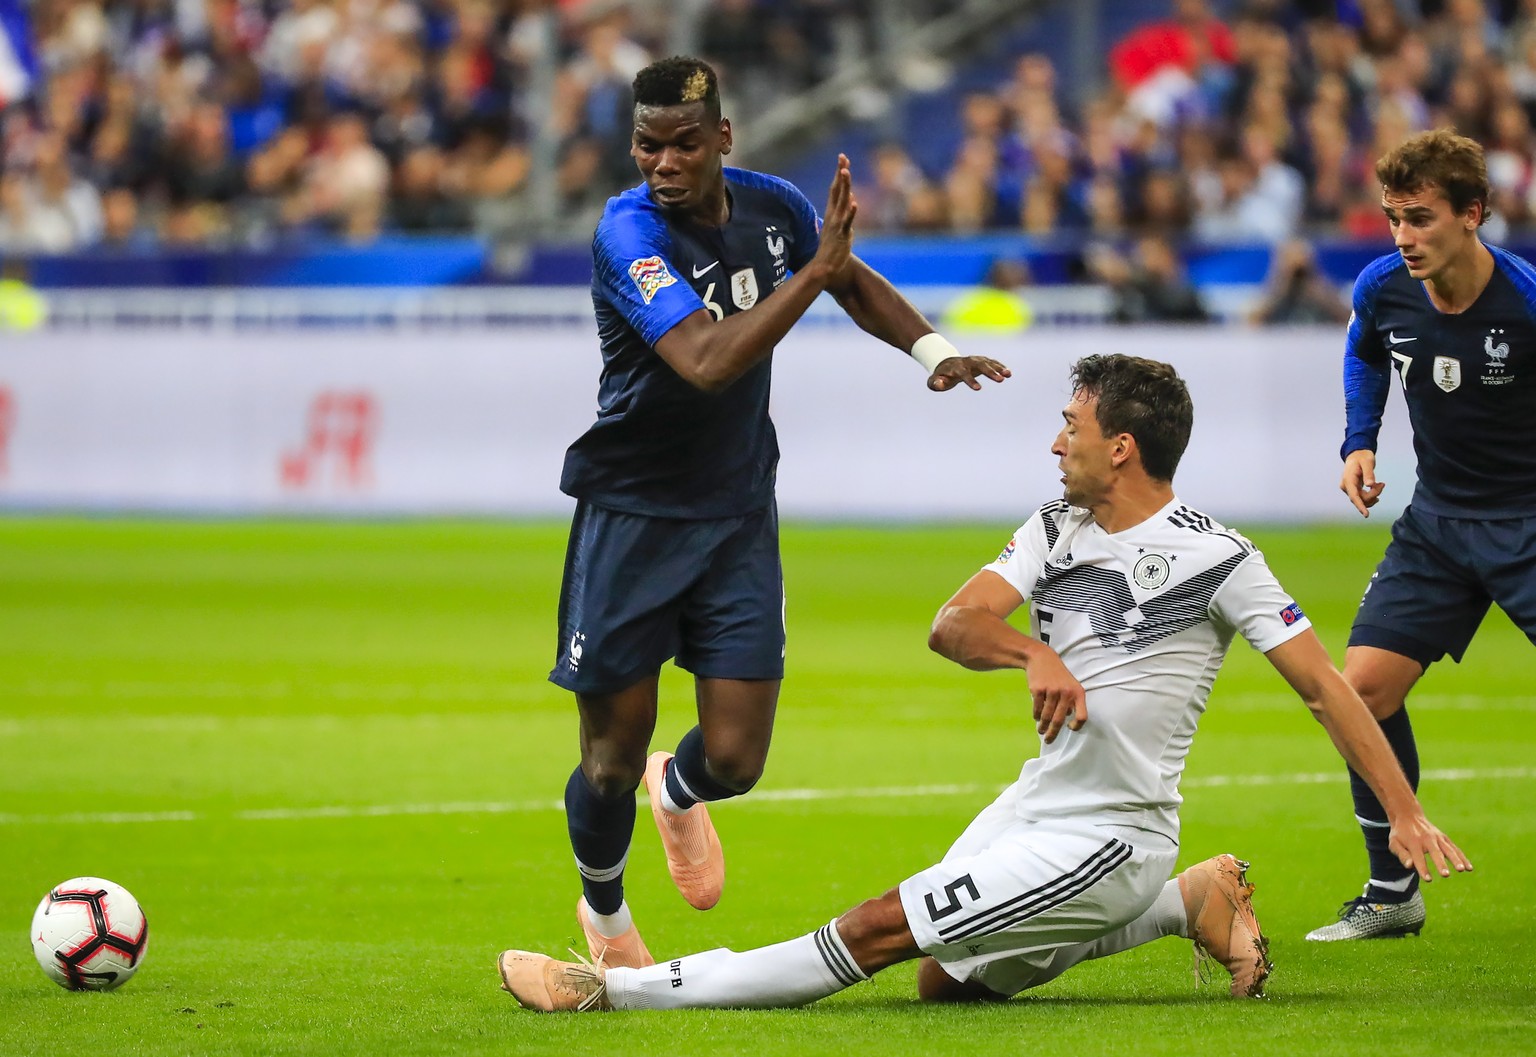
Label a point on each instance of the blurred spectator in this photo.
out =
(1252, 196)
(347, 180)
(122, 228)
(421, 203)
(593, 95)
(200, 169)
(970, 187)
(997, 306)
(886, 204)
(50, 211)
(1157, 64)
(1163, 206)
(1150, 290)
(1297, 292)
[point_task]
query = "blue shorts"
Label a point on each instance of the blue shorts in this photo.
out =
(1435, 583)
(639, 590)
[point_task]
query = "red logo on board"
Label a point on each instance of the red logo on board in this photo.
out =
(339, 434)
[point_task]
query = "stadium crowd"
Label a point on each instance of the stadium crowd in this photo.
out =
(247, 122)
(243, 122)
(1248, 129)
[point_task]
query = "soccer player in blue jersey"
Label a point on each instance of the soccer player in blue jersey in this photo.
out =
(697, 274)
(1455, 321)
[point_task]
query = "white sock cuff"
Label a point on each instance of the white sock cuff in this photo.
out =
(834, 952)
(1172, 918)
(606, 873)
(612, 925)
(667, 799)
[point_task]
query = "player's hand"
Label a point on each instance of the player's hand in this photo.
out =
(836, 248)
(1359, 480)
(1058, 698)
(957, 369)
(1416, 843)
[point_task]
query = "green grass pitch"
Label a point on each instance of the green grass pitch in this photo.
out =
(326, 759)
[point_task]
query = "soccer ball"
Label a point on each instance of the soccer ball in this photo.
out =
(89, 934)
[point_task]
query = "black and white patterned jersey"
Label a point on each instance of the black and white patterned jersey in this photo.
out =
(1142, 619)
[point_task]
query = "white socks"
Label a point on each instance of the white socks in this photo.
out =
(612, 925)
(815, 966)
(785, 974)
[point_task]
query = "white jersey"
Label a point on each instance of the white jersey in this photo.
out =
(1142, 619)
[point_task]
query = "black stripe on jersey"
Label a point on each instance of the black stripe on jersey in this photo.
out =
(1052, 530)
(1037, 901)
(837, 961)
(1186, 606)
(1105, 595)
(1184, 517)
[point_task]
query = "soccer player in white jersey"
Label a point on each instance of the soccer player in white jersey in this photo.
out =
(1134, 601)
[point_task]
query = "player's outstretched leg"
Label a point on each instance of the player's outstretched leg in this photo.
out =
(626, 950)
(792, 973)
(694, 856)
(1218, 901)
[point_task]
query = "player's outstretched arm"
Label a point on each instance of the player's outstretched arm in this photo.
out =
(1356, 734)
(1359, 480)
(972, 630)
(710, 354)
(879, 309)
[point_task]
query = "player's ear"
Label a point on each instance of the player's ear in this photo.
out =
(725, 135)
(1123, 449)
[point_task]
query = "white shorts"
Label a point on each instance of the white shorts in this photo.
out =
(1010, 892)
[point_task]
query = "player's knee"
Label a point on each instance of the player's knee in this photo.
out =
(935, 985)
(612, 777)
(738, 771)
(1381, 695)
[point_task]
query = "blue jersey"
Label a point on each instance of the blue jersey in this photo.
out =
(1469, 380)
(660, 446)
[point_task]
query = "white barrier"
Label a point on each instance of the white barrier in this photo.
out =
(451, 421)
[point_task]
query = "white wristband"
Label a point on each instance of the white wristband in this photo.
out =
(931, 349)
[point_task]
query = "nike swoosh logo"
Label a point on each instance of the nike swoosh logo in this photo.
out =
(1394, 339)
(700, 271)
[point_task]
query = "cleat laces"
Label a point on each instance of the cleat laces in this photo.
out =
(587, 977)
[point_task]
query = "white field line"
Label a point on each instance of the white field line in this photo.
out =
(451, 693)
(767, 796)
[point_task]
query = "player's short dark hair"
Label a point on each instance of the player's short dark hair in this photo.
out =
(1438, 158)
(678, 81)
(1144, 398)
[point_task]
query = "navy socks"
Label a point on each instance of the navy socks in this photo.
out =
(600, 835)
(1391, 881)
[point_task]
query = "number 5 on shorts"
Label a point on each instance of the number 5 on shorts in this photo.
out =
(935, 912)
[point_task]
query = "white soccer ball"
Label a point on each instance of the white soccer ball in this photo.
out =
(89, 934)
